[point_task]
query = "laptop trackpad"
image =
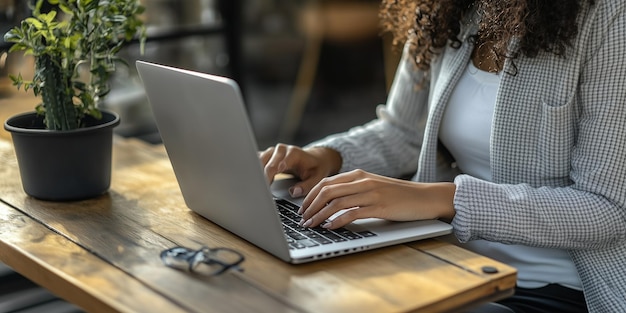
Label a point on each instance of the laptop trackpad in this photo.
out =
(280, 189)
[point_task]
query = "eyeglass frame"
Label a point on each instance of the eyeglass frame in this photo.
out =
(193, 258)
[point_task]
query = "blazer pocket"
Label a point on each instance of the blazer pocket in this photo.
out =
(557, 137)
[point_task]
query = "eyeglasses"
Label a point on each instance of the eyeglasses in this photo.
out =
(204, 261)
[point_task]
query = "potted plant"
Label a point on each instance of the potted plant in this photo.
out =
(64, 147)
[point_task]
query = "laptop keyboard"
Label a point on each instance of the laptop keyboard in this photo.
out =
(299, 237)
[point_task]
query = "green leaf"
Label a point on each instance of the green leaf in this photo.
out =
(66, 9)
(95, 113)
(49, 17)
(117, 19)
(13, 35)
(82, 87)
(37, 9)
(17, 80)
(18, 47)
(40, 109)
(34, 22)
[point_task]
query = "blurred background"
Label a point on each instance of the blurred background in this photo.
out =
(307, 68)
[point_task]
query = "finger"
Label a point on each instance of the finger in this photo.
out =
(298, 190)
(335, 197)
(324, 183)
(346, 203)
(291, 160)
(265, 155)
(273, 165)
(304, 186)
(349, 216)
(312, 195)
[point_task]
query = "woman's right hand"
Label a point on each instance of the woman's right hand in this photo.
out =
(309, 165)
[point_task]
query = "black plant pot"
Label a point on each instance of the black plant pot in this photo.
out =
(63, 165)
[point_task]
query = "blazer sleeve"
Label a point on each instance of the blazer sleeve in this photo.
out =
(590, 212)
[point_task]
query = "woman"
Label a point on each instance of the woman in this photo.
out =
(512, 125)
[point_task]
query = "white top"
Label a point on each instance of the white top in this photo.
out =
(465, 131)
(466, 124)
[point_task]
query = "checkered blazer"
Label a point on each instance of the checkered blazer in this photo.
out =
(558, 150)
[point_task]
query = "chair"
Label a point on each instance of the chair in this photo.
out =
(337, 21)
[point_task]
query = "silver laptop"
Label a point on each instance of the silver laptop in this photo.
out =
(203, 123)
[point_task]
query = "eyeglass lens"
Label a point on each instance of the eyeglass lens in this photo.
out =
(204, 261)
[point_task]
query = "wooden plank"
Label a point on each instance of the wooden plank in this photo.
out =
(144, 212)
(496, 285)
(504, 277)
(91, 283)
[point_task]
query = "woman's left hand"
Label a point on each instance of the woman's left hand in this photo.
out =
(365, 195)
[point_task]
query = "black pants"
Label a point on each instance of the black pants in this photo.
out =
(552, 298)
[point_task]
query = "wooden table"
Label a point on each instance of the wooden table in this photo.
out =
(103, 255)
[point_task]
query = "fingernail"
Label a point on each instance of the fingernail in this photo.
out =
(307, 223)
(295, 191)
(301, 222)
(326, 225)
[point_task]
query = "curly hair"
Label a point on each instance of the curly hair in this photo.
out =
(429, 25)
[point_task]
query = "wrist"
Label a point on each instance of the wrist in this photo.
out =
(331, 158)
(445, 194)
